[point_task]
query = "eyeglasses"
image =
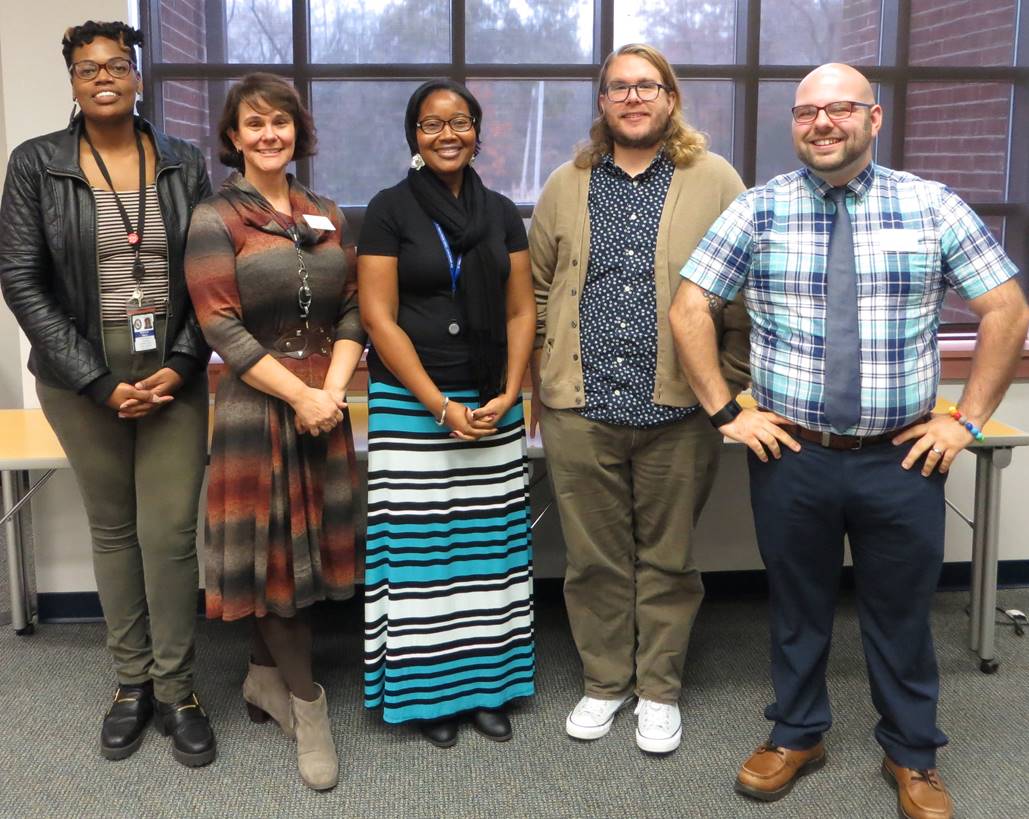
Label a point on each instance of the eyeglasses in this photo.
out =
(647, 91)
(836, 111)
(458, 124)
(117, 67)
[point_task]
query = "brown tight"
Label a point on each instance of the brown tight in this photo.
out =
(285, 642)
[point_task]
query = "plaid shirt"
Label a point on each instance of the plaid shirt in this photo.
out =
(912, 239)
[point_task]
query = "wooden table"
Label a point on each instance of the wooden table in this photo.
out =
(28, 444)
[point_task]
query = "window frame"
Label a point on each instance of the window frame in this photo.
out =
(893, 75)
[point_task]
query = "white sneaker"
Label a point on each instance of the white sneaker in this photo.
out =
(659, 727)
(591, 718)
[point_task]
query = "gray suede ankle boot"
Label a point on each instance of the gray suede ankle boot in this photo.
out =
(267, 697)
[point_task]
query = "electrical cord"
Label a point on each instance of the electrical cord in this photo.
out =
(1012, 617)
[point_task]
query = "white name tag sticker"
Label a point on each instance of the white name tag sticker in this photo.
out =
(318, 222)
(900, 241)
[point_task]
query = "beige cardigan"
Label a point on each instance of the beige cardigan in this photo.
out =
(559, 243)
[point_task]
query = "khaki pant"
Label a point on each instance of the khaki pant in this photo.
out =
(140, 483)
(629, 499)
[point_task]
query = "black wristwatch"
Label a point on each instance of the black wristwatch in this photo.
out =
(726, 414)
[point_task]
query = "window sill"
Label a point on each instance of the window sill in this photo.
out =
(956, 359)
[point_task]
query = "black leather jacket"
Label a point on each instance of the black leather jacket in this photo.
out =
(48, 258)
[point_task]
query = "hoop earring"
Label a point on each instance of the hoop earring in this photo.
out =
(417, 163)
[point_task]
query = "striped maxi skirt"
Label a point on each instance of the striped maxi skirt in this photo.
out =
(448, 576)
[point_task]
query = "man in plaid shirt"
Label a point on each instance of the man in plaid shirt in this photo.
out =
(845, 366)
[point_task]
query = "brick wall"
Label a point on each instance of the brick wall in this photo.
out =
(859, 32)
(183, 40)
(958, 132)
(962, 32)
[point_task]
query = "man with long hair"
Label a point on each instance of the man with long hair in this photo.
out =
(631, 455)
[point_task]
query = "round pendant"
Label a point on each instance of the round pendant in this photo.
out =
(138, 270)
(453, 328)
(133, 238)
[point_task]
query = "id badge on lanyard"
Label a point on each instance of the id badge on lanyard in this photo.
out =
(142, 323)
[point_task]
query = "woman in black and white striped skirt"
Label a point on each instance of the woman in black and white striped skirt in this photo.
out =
(446, 297)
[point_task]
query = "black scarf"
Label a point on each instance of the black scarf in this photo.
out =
(480, 290)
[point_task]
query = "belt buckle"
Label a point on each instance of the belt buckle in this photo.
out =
(826, 439)
(858, 445)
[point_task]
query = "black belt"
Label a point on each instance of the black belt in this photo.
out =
(302, 342)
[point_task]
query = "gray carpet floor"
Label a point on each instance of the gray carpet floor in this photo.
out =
(54, 688)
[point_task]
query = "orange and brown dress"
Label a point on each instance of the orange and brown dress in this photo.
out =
(280, 531)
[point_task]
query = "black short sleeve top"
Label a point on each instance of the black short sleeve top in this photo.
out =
(395, 225)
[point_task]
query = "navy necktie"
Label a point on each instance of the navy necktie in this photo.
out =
(842, 343)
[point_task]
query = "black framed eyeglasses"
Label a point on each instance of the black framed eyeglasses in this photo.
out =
(647, 91)
(836, 111)
(459, 124)
(117, 67)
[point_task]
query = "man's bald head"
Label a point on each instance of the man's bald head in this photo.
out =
(837, 81)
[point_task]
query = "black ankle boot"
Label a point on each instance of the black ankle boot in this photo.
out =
(190, 730)
(122, 731)
(441, 733)
(492, 724)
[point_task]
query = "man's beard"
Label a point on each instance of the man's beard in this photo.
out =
(654, 136)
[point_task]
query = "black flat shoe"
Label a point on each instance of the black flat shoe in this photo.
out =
(122, 731)
(492, 724)
(187, 724)
(442, 734)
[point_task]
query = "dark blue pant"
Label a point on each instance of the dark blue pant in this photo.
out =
(803, 506)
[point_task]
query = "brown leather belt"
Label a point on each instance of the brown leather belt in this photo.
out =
(830, 440)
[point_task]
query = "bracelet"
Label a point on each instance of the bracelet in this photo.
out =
(443, 412)
(726, 414)
(955, 413)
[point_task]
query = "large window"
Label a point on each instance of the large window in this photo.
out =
(952, 77)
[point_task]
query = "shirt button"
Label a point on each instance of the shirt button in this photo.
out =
(575, 356)
(578, 400)
(577, 388)
(628, 289)
(621, 324)
(575, 262)
(619, 359)
(628, 252)
(632, 218)
(618, 392)
(573, 291)
(575, 324)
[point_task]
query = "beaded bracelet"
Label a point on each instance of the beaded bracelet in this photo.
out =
(443, 412)
(955, 413)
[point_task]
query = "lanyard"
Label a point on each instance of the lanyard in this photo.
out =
(455, 267)
(133, 237)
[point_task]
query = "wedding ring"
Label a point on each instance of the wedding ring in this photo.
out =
(937, 451)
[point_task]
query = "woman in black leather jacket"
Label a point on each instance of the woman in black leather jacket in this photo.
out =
(92, 231)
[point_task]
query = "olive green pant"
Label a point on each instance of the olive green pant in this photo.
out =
(140, 483)
(629, 499)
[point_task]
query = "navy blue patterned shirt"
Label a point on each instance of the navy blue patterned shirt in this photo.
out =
(618, 310)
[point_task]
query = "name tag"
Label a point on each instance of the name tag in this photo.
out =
(143, 327)
(900, 241)
(317, 221)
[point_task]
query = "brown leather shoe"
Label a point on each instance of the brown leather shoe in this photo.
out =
(771, 771)
(920, 794)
